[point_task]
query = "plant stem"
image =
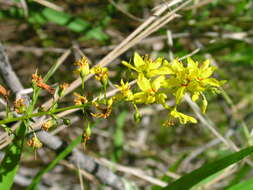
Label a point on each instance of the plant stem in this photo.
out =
(28, 116)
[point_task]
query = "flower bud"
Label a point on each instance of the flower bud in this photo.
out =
(48, 124)
(62, 89)
(137, 117)
(19, 106)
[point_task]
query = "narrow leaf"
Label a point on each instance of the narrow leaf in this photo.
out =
(189, 180)
(245, 185)
(10, 162)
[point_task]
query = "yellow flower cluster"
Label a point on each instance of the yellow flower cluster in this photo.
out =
(101, 74)
(157, 79)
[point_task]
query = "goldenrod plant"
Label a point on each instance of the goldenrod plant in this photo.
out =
(157, 82)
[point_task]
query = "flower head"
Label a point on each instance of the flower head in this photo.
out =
(79, 100)
(63, 88)
(19, 106)
(83, 67)
(104, 110)
(147, 66)
(101, 74)
(149, 90)
(193, 78)
(125, 90)
(5, 93)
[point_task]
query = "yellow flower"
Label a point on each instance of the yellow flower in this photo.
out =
(125, 91)
(149, 90)
(183, 119)
(101, 74)
(148, 67)
(192, 78)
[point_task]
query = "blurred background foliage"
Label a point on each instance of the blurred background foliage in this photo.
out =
(223, 30)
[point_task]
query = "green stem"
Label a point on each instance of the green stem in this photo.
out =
(28, 116)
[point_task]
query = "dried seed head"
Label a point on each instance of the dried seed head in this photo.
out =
(105, 111)
(5, 93)
(38, 81)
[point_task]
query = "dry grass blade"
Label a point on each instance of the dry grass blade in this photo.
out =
(49, 5)
(212, 128)
(133, 171)
(125, 12)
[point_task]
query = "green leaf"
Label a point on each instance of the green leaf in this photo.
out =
(245, 185)
(96, 33)
(189, 180)
(239, 175)
(10, 162)
(64, 19)
(59, 157)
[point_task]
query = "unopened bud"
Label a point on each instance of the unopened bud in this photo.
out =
(66, 121)
(62, 89)
(19, 106)
(137, 117)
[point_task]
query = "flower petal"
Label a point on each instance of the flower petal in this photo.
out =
(138, 61)
(143, 83)
(177, 65)
(156, 64)
(180, 94)
(183, 119)
(212, 82)
(156, 84)
(129, 65)
(140, 97)
(204, 104)
(192, 64)
(171, 82)
(195, 96)
(205, 65)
